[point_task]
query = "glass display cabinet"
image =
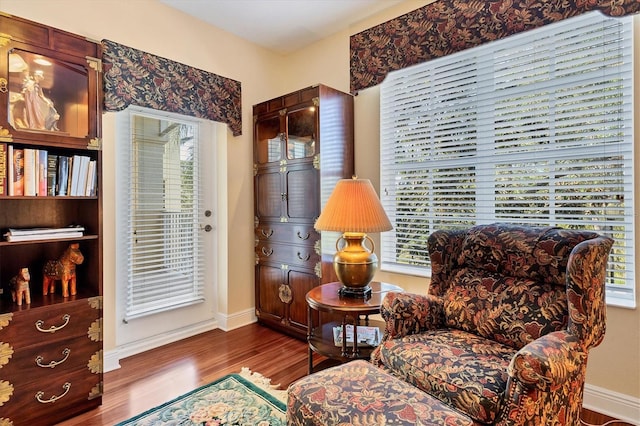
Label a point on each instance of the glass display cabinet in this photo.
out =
(303, 144)
(50, 97)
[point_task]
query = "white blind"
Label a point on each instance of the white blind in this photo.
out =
(532, 129)
(165, 250)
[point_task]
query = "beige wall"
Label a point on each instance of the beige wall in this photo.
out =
(152, 27)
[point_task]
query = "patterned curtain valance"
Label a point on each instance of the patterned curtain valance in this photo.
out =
(134, 77)
(449, 26)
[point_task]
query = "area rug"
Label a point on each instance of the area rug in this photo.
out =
(236, 399)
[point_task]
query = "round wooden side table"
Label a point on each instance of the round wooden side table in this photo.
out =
(352, 311)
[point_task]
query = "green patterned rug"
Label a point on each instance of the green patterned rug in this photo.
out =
(237, 399)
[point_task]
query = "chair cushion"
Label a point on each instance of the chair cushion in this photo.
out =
(510, 310)
(461, 369)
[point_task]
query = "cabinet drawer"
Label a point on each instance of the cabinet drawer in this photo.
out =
(48, 401)
(50, 324)
(287, 233)
(288, 254)
(43, 363)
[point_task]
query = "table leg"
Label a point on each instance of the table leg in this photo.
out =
(309, 335)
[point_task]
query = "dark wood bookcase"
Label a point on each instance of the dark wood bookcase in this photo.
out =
(303, 144)
(51, 363)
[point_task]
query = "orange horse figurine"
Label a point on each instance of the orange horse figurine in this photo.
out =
(20, 287)
(63, 269)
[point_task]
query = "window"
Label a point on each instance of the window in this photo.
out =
(165, 254)
(533, 129)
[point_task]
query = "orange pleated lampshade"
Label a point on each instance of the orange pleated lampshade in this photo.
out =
(353, 206)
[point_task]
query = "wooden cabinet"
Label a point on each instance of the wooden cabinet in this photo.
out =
(303, 144)
(50, 96)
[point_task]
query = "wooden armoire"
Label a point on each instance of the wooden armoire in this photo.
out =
(303, 144)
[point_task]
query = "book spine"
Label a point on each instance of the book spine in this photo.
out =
(42, 172)
(18, 171)
(52, 175)
(29, 172)
(63, 174)
(3, 169)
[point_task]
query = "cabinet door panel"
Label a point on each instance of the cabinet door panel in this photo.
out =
(301, 282)
(268, 282)
(269, 195)
(301, 133)
(303, 200)
(268, 145)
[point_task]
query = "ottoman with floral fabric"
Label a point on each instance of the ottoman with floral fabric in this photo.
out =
(358, 393)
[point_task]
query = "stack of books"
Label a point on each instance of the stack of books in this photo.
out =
(35, 234)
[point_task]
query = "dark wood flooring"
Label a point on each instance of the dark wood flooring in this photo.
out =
(157, 376)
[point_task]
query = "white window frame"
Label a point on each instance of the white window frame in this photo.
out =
(462, 143)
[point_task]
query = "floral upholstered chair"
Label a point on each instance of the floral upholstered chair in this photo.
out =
(504, 333)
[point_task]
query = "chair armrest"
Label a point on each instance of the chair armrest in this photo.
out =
(408, 313)
(548, 362)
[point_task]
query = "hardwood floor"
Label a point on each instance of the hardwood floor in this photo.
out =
(157, 376)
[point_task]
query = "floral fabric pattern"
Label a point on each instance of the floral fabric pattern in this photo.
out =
(231, 400)
(448, 26)
(134, 77)
(357, 393)
(504, 333)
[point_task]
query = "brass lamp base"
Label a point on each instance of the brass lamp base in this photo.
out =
(355, 265)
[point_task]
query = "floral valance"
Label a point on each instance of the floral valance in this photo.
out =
(449, 26)
(134, 77)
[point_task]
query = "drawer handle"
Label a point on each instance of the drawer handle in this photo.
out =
(306, 237)
(54, 398)
(53, 328)
(304, 258)
(267, 252)
(267, 234)
(53, 364)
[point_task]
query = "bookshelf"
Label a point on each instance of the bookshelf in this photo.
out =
(50, 97)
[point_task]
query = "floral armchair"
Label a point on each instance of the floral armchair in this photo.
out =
(504, 332)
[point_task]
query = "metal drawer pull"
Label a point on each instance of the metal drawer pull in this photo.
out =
(267, 252)
(267, 234)
(304, 258)
(52, 364)
(54, 398)
(53, 328)
(306, 237)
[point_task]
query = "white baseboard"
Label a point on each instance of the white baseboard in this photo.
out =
(610, 403)
(236, 320)
(112, 358)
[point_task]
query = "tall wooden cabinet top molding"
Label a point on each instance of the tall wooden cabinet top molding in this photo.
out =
(51, 363)
(303, 144)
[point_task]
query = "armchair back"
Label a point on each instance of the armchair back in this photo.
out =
(513, 284)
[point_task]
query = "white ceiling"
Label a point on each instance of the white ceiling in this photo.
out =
(281, 25)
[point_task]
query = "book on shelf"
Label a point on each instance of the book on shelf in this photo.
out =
(29, 172)
(52, 175)
(367, 335)
(17, 175)
(3, 169)
(34, 234)
(59, 235)
(42, 172)
(63, 174)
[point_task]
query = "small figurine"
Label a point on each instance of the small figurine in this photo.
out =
(63, 269)
(20, 287)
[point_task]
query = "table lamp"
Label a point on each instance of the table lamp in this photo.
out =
(354, 209)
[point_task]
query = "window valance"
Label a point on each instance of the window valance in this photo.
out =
(449, 26)
(134, 77)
